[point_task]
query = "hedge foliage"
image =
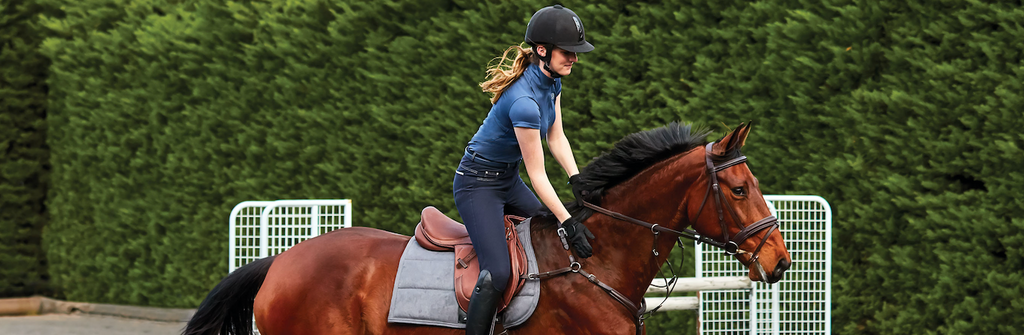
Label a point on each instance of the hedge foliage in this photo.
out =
(905, 115)
(24, 156)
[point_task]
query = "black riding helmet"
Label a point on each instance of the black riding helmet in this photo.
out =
(556, 26)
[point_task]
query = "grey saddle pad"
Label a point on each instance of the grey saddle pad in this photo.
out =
(425, 288)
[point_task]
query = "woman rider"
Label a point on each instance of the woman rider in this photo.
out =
(526, 109)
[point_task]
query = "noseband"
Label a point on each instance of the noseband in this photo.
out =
(730, 246)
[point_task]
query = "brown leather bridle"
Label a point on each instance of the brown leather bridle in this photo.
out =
(730, 246)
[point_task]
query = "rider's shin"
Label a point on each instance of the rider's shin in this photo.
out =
(482, 306)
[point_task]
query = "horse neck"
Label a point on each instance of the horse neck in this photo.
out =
(622, 251)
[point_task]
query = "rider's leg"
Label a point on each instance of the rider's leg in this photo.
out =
(480, 202)
(521, 200)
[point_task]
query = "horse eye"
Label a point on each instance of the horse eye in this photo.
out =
(738, 191)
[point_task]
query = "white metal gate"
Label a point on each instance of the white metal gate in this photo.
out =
(801, 302)
(265, 228)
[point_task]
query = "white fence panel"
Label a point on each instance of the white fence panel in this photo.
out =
(244, 235)
(800, 303)
(265, 228)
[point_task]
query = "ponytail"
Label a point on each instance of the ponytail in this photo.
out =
(501, 75)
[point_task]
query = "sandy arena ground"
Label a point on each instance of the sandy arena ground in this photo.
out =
(84, 324)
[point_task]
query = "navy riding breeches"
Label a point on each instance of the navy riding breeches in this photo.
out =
(484, 192)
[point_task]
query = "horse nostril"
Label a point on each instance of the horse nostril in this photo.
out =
(781, 268)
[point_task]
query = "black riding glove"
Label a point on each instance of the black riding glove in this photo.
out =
(580, 188)
(577, 234)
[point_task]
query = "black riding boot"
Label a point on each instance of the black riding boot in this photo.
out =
(482, 306)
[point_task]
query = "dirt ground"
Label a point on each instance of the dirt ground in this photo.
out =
(84, 324)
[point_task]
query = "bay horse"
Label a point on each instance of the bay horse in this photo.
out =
(341, 282)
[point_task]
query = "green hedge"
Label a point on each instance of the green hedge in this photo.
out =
(24, 156)
(904, 115)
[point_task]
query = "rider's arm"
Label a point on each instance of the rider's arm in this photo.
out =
(533, 158)
(559, 144)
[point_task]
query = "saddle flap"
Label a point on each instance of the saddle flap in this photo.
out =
(438, 232)
(465, 276)
(467, 267)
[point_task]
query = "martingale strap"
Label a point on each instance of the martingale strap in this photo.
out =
(636, 311)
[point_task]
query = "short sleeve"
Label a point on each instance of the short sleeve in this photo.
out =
(525, 113)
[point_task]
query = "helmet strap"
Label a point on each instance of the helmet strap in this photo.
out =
(546, 59)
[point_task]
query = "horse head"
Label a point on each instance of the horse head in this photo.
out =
(669, 178)
(733, 212)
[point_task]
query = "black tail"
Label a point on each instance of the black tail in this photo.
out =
(228, 307)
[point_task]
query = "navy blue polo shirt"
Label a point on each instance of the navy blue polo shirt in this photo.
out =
(529, 103)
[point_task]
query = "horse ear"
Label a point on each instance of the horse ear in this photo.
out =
(733, 140)
(743, 131)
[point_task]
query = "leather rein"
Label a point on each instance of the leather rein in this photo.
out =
(730, 246)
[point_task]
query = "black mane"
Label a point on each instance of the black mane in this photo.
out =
(633, 154)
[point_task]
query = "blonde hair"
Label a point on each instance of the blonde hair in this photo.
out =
(501, 75)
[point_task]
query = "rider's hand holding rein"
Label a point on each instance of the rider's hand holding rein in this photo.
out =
(580, 188)
(561, 62)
